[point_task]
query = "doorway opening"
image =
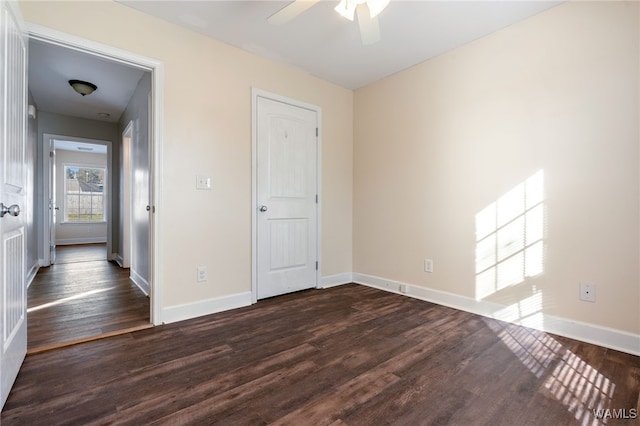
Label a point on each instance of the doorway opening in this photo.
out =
(147, 280)
(77, 197)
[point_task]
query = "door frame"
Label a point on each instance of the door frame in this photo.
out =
(259, 93)
(47, 139)
(126, 139)
(156, 67)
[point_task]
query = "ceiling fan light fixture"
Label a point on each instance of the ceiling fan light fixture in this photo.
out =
(83, 87)
(376, 6)
(347, 9)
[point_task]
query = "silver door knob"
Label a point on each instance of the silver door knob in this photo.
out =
(263, 208)
(13, 210)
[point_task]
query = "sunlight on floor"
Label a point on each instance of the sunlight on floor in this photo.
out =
(67, 299)
(535, 349)
(573, 382)
(581, 388)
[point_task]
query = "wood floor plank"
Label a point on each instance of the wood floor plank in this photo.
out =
(349, 355)
(80, 297)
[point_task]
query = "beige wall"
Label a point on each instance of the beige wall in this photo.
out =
(207, 130)
(438, 143)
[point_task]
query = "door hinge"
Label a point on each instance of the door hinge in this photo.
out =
(316, 198)
(316, 265)
(316, 132)
(50, 154)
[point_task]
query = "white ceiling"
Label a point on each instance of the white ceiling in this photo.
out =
(52, 66)
(328, 46)
(319, 41)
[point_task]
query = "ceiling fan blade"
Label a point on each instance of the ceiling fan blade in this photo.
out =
(290, 11)
(369, 27)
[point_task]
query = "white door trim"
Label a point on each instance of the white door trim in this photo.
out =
(46, 143)
(255, 94)
(127, 142)
(156, 68)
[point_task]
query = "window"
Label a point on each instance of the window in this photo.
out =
(84, 194)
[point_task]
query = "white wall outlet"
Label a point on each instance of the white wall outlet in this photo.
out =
(203, 182)
(428, 265)
(588, 292)
(403, 288)
(202, 274)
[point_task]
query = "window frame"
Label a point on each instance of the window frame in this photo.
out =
(65, 215)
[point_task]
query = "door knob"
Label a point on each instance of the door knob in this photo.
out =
(13, 210)
(263, 208)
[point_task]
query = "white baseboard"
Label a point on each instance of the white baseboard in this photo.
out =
(205, 307)
(139, 280)
(602, 336)
(335, 280)
(33, 271)
(88, 240)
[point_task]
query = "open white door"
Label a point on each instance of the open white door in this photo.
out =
(53, 207)
(286, 193)
(127, 146)
(13, 131)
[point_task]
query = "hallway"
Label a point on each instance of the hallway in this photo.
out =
(82, 297)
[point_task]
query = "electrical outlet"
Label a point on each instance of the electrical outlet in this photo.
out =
(587, 292)
(202, 274)
(203, 182)
(428, 265)
(403, 288)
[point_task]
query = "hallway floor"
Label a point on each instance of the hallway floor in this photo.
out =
(82, 296)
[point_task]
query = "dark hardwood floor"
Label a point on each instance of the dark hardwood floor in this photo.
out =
(349, 355)
(82, 296)
(81, 253)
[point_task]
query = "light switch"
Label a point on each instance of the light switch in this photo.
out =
(203, 182)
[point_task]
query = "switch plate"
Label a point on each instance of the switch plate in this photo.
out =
(587, 292)
(428, 265)
(203, 182)
(202, 274)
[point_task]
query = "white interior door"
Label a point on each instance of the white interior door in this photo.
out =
(141, 203)
(125, 217)
(53, 206)
(286, 192)
(13, 131)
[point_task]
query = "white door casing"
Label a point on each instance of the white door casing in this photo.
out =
(286, 195)
(51, 201)
(13, 192)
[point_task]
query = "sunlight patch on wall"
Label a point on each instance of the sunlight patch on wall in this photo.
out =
(510, 237)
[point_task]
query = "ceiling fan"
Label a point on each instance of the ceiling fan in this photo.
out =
(367, 20)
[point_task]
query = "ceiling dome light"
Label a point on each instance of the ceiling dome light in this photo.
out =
(83, 87)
